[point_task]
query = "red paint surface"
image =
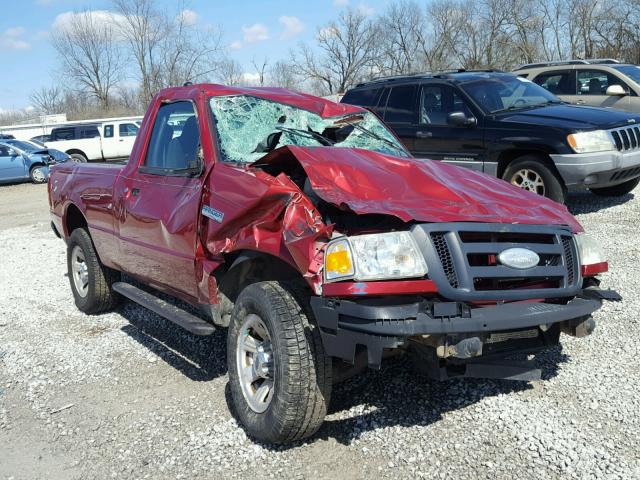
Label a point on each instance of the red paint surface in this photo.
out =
(403, 287)
(160, 236)
(594, 269)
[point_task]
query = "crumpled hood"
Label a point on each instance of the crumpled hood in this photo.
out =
(420, 190)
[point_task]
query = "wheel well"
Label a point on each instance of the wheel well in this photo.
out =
(247, 267)
(34, 165)
(73, 150)
(74, 219)
(509, 156)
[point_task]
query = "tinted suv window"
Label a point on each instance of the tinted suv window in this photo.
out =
(595, 82)
(559, 83)
(175, 137)
(401, 105)
(439, 101)
(89, 132)
(365, 97)
(63, 134)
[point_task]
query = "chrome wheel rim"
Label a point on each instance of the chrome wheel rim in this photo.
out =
(254, 361)
(79, 271)
(38, 175)
(528, 180)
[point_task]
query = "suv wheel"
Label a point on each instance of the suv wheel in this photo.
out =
(279, 375)
(617, 190)
(90, 280)
(532, 173)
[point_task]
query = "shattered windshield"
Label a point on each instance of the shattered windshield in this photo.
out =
(250, 127)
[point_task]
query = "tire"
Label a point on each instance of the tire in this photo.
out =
(98, 296)
(299, 371)
(78, 158)
(37, 174)
(617, 190)
(538, 177)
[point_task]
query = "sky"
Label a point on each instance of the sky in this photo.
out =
(251, 28)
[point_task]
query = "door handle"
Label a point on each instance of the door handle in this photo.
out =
(424, 134)
(579, 102)
(121, 140)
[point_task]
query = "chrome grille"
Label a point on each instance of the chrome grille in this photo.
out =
(627, 138)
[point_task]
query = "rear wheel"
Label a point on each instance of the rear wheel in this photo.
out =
(531, 173)
(617, 190)
(279, 375)
(38, 174)
(90, 280)
(78, 158)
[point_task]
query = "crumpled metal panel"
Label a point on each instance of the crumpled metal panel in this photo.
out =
(420, 190)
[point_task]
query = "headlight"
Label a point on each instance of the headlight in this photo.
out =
(586, 142)
(374, 257)
(591, 253)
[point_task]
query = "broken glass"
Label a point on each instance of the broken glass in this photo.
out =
(250, 127)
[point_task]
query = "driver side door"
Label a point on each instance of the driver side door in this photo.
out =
(436, 139)
(12, 165)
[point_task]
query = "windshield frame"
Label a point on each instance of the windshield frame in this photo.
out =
(511, 108)
(221, 156)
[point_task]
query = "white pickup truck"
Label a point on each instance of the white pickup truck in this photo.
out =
(96, 141)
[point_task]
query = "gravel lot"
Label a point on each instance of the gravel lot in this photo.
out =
(145, 400)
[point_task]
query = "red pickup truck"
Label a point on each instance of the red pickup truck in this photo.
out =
(307, 229)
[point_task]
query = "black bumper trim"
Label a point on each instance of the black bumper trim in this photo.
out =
(414, 319)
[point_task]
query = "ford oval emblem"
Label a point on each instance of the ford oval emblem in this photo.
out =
(520, 258)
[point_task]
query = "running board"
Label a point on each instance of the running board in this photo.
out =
(174, 314)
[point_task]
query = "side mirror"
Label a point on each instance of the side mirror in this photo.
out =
(13, 152)
(616, 91)
(459, 119)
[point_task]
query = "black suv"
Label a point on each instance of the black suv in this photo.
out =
(509, 127)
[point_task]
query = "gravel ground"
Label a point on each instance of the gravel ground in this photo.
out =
(145, 400)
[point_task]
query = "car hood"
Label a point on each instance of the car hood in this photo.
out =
(571, 117)
(368, 182)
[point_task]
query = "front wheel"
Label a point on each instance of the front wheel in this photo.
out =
(279, 375)
(78, 158)
(617, 190)
(532, 173)
(38, 174)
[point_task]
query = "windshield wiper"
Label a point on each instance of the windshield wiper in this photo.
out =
(529, 105)
(307, 133)
(376, 136)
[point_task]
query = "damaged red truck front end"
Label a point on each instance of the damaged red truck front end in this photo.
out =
(306, 228)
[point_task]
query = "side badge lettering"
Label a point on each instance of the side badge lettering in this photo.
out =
(212, 213)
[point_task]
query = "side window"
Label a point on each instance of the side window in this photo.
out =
(127, 130)
(558, 83)
(4, 151)
(175, 137)
(401, 105)
(108, 131)
(596, 82)
(438, 102)
(89, 132)
(63, 134)
(365, 97)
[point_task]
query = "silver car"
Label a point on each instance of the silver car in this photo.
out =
(597, 83)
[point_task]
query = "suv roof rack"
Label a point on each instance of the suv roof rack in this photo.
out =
(438, 73)
(588, 61)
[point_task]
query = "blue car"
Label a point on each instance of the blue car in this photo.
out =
(20, 161)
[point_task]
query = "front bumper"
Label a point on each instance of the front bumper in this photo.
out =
(376, 324)
(599, 169)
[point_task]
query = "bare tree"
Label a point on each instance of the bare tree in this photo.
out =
(261, 68)
(90, 54)
(229, 72)
(283, 74)
(47, 100)
(347, 49)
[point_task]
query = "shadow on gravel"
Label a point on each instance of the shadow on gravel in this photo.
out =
(400, 398)
(199, 358)
(587, 202)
